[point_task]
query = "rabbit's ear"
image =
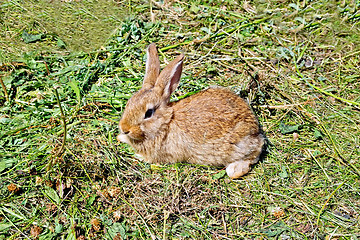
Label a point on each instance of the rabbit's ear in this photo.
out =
(152, 67)
(169, 78)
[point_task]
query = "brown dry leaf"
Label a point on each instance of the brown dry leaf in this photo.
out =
(51, 207)
(38, 180)
(69, 182)
(114, 191)
(118, 237)
(35, 231)
(60, 186)
(49, 183)
(13, 188)
(117, 215)
(63, 220)
(95, 224)
(278, 212)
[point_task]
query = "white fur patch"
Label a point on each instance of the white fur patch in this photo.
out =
(237, 169)
(245, 143)
(244, 147)
(123, 138)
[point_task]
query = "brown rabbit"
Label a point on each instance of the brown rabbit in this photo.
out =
(213, 127)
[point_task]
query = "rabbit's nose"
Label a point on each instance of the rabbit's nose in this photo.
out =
(125, 131)
(124, 128)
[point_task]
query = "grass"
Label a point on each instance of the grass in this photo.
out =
(80, 25)
(295, 62)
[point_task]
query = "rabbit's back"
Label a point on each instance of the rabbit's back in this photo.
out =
(212, 126)
(213, 113)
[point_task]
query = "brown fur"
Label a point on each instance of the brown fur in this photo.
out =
(214, 126)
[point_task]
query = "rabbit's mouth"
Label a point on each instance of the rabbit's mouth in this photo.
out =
(130, 136)
(123, 138)
(127, 138)
(130, 133)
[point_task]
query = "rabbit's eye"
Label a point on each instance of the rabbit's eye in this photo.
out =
(149, 113)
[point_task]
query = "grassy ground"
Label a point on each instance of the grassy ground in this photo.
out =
(296, 62)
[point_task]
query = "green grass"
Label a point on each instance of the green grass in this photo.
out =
(80, 25)
(295, 62)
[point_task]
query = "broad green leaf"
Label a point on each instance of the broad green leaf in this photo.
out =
(75, 87)
(60, 43)
(219, 175)
(317, 134)
(52, 194)
(71, 235)
(285, 129)
(275, 230)
(115, 229)
(195, 9)
(4, 226)
(59, 228)
(71, 230)
(2, 165)
(283, 173)
(29, 38)
(12, 213)
(316, 153)
(91, 200)
(5, 120)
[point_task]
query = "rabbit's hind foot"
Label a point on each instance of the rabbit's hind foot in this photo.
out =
(237, 169)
